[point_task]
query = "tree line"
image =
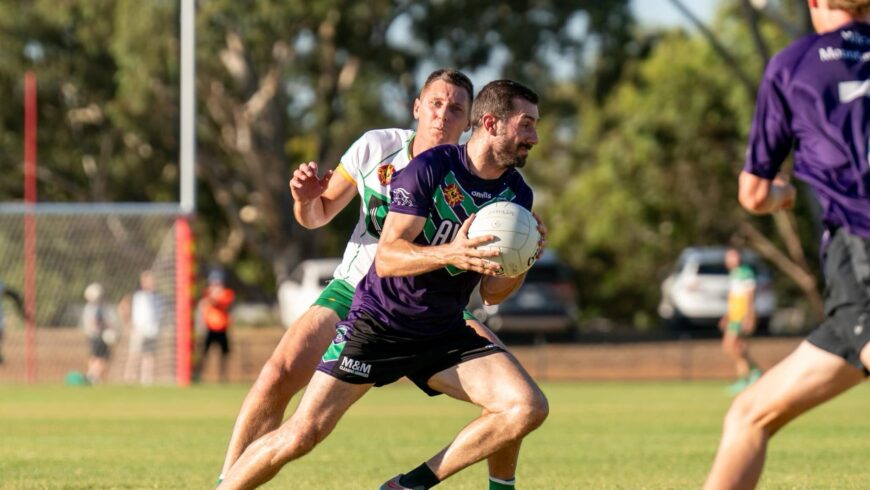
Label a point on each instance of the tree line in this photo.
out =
(642, 135)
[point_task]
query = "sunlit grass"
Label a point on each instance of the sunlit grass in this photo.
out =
(598, 436)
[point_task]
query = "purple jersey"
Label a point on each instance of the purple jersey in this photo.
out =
(815, 97)
(436, 185)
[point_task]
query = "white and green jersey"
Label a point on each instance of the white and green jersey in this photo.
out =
(740, 293)
(369, 164)
(741, 279)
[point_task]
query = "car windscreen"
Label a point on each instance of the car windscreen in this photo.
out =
(712, 269)
(548, 273)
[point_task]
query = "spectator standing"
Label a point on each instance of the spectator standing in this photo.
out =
(214, 308)
(146, 310)
(15, 297)
(98, 325)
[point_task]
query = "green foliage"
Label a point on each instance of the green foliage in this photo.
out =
(108, 74)
(641, 138)
(106, 116)
(654, 168)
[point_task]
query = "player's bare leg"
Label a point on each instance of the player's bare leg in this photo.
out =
(512, 404)
(131, 369)
(147, 373)
(325, 400)
(502, 464)
(223, 367)
(284, 374)
(96, 370)
(735, 347)
(806, 378)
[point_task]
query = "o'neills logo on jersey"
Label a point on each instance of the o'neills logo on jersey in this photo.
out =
(481, 195)
(358, 368)
(385, 173)
(452, 194)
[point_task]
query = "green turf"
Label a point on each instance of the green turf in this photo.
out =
(598, 436)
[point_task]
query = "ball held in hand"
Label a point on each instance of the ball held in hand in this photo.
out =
(516, 235)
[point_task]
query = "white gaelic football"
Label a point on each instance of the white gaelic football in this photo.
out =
(516, 235)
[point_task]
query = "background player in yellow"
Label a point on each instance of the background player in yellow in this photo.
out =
(740, 320)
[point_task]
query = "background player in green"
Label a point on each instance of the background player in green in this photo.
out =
(739, 321)
(443, 114)
(406, 318)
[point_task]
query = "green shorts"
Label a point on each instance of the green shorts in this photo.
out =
(338, 295)
(736, 328)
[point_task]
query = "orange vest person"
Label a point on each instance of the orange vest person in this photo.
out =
(215, 306)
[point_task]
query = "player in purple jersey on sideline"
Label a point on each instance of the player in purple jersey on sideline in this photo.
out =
(406, 317)
(813, 97)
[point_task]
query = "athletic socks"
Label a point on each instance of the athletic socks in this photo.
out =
(420, 476)
(497, 484)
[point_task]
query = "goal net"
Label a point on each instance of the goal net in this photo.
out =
(71, 248)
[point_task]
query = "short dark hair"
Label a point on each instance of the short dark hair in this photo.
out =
(497, 98)
(855, 8)
(451, 76)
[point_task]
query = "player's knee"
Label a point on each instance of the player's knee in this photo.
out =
(277, 373)
(746, 414)
(539, 409)
(295, 443)
(529, 412)
(272, 372)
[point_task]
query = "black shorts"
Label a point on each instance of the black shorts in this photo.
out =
(365, 352)
(846, 328)
(99, 348)
(219, 338)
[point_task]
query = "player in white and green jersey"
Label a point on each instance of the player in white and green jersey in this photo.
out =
(368, 166)
(442, 111)
(739, 321)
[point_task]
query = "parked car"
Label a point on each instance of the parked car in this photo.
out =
(545, 304)
(695, 294)
(304, 285)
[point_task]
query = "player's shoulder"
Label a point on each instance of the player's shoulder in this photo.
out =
(847, 43)
(438, 159)
(376, 146)
(745, 271)
(445, 151)
(521, 189)
(790, 58)
(515, 179)
(386, 140)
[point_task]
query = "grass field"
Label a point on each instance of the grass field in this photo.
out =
(598, 436)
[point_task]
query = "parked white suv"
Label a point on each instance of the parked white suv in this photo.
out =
(304, 285)
(695, 294)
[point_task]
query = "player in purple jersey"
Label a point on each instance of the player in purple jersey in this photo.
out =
(443, 113)
(440, 353)
(814, 97)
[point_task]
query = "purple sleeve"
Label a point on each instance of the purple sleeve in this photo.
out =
(771, 138)
(411, 189)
